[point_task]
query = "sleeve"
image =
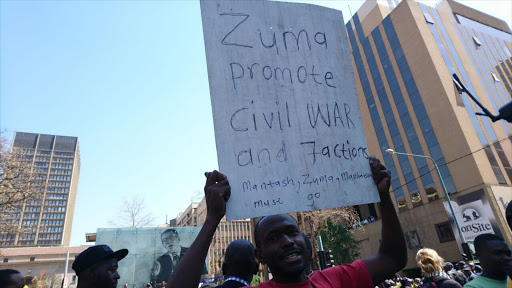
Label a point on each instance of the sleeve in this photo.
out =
(353, 275)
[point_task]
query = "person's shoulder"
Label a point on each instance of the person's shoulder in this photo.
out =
(347, 275)
(448, 283)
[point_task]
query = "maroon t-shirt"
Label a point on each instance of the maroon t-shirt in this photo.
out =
(353, 275)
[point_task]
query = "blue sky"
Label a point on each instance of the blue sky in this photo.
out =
(129, 79)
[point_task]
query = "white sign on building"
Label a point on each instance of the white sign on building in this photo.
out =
(288, 128)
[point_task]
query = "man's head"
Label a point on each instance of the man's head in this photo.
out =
(460, 265)
(466, 270)
(494, 256)
(280, 245)
(239, 260)
(97, 266)
(171, 241)
(10, 278)
(447, 266)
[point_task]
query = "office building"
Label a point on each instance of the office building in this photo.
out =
(44, 265)
(226, 232)
(404, 55)
(55, 162)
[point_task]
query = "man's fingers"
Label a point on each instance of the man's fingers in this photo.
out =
(213, 177)
(382, 174)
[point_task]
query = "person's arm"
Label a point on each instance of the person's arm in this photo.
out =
(188, 271)
(392, 254)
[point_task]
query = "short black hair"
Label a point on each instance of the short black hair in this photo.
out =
(5, 276)
(482, 239)
(257, 239)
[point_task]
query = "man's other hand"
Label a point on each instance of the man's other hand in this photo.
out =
(217, 192)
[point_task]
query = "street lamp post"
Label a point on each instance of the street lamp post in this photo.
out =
(391, 151)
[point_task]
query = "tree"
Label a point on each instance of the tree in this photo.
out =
(340, 241)
(134, 214)
(316, 220)
(17, 187)
(256, 280)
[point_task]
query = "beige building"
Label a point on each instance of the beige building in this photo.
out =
(404, 55)
(43, 263)
(56, 162)
(227, 231)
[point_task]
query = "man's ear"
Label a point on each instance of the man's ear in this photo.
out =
(257, 253)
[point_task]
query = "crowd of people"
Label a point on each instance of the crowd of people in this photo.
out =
(286, 251)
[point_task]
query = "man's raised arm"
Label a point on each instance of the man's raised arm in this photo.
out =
(188, 271)
(392, 255)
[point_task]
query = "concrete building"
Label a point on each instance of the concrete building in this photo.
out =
(227, 231)
(404, 55)
(45, 264)
(56, 162)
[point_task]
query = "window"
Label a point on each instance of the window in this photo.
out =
(32, 259)
(6, 260)
(444, 232)
(428, 18)
(495, 77)
(477, 41)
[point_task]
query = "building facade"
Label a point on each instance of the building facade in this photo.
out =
(404, 56)
(55, 162)
(227, 231)
(45, 266)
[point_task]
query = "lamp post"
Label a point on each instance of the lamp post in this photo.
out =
(391, 151)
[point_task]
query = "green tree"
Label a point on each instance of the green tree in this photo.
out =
(256, 280)
(340, 241)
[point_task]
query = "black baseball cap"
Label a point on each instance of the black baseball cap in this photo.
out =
(95, 254)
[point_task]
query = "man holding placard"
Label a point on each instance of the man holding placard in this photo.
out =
(280, 245)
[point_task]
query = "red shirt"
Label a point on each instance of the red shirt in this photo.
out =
(353, 275)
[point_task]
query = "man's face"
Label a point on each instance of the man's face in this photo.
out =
(17, 281)
(467, 272)
(495, 256)
(105, 274)
(282, 246)
(171, 242)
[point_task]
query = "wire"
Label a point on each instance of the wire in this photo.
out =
(456, 159)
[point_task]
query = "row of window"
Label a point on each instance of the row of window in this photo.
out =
(59, 165)
(51, 229)
(50, 236)
(53, 216)
(32, 209)
(58, 190)
(55, 203)
(54, 209)
(63, 160)
(52, 222)
(57, 171)
(58, 183)
(60, 177)
(57, 196)
(31, 216)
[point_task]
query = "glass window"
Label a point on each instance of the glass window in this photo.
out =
(477, 41)
(428, 18)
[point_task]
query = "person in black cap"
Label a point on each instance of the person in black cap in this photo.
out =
(96, 267)
(10, 278)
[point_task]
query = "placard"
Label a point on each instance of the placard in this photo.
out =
(288, 128)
